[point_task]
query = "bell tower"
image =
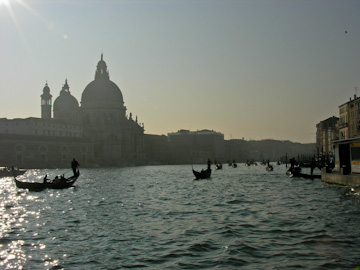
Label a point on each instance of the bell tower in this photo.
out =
(46, 103)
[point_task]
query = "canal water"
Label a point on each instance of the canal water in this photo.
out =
(158, 217)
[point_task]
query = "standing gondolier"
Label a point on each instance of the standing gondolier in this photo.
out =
(209, 164)
(74, 165)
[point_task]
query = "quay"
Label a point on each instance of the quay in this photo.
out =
(347, 164)
(337, 178)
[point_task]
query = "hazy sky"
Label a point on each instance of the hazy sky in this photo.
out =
(254, 69)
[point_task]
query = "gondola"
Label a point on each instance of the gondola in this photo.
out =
(296, 172)
(56, 183)
(269, 168)
(203, 174)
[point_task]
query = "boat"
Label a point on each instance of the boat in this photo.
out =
(250, 163)
(203, 174)
(269, 168)
(218, 166)
(234, 165)
(296, 172)
(10, 172)
(56, 183)
(32, 186)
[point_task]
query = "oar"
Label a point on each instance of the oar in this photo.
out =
(67, 172)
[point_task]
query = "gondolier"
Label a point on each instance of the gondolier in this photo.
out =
(74, 165)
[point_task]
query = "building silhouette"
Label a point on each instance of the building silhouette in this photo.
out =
(98, 132)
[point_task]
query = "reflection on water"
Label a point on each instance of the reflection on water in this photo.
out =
(11, 215)
(159, 217)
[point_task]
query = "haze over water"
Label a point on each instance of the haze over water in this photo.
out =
(158, 217)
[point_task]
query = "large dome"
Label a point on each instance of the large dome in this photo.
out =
(66, 101)
(102, 90)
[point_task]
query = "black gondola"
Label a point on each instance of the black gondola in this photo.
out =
(296, 172)
(56, 183)
(203, 174)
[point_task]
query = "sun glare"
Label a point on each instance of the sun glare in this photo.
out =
(5, 2)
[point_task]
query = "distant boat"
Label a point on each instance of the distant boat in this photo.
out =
(203, 174)
(10, 172)
(218, 166)
(233, 164)
(56, 183)
(250, 163)
(269, 168)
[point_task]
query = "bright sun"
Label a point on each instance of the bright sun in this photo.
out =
(5, 2)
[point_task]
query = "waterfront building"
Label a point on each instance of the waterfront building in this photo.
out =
(198, 146)
(347, 147)
(349, 119)
(344, 121)
(326, 132)
(354, 118)
(42, 143)
(97, 133)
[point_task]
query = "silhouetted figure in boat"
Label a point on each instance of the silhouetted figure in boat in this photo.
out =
(74, 165)
(56, 180)
(312, 166)
(209, 164)
(292, 163)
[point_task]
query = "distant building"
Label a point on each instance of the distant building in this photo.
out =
(197, 146)
(157, 150)
(97, 133)
(326, 132)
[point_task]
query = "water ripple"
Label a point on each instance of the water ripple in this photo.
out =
(159, 218)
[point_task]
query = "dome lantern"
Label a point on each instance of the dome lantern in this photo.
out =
(101, 70)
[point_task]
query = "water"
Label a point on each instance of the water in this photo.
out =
(158, 217)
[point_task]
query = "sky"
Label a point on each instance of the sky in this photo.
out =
(253, 70)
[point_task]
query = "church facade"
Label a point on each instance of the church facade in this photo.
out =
(97, 133)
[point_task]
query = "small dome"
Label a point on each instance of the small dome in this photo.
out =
(65, 102)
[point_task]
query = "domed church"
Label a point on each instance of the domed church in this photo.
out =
(117, 139)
